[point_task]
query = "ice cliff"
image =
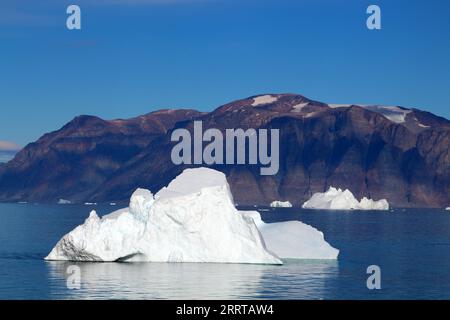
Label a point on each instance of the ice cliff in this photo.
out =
(193, 219)
(337, 199)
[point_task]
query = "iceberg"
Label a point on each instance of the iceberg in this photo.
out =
(448, 208)
(293, 239)
(281, 204)
(193, 219)
(337, 199)
(64, 201)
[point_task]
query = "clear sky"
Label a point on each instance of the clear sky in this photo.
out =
(135, 56)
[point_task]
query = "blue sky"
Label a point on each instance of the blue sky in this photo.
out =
(133, 57)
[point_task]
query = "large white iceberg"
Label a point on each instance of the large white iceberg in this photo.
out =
(193, 219)
(337, 199)
(293, 239)
(281, 204)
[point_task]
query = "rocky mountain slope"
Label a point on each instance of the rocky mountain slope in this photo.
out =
(399, 154)
(74, 161)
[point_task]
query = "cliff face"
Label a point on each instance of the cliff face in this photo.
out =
(399, 154)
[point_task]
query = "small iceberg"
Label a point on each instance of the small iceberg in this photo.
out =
(64, 201)
(337, 199)
(448, 208)
(193, 219)
(281, 204)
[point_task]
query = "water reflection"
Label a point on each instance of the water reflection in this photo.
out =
(293, 280)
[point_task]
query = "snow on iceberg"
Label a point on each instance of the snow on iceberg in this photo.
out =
(193, 219)
(293, 239)
(281, 204)
(337, 199)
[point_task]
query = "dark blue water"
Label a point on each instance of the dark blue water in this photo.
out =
(412, 248)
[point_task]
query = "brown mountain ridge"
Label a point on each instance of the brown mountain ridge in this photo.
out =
(389, 152)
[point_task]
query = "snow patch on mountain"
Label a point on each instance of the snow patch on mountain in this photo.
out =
(393, 113)
(423, 126)
(299, 107)
(311, 114)
(335, 106)
(338, 199)
(262, 100)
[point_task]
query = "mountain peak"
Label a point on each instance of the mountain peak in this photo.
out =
(283, 102)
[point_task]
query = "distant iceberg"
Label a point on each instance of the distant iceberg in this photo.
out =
(64, 201)
(336, 199)
(281, 204)
(193, 219)
(448, 208)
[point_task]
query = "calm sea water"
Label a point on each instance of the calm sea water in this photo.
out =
(412, 248)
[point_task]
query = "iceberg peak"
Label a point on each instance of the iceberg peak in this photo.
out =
(193, 181)
(140, 203)
(93, 216)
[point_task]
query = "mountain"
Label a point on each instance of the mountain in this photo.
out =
(73, 162)
(389, 152)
